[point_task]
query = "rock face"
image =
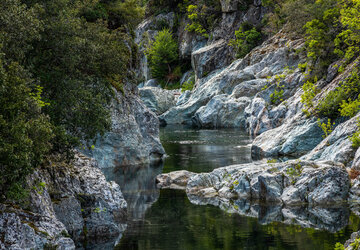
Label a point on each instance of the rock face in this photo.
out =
(337, 146)
(68, 203)
(134, 136)
(26, 230)
(210, 58)
(289, 183)
(244, 77)
(159, 100)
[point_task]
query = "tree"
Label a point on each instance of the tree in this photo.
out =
(162, 54)
(25, 132)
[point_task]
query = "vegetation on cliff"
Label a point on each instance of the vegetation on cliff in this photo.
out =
(58, 63)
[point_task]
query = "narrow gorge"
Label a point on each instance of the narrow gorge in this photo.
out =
(187, 124)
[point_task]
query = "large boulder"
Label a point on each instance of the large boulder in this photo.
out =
(68, 202)
(229, 5)
(296, 137)
(223, 112)
(158, 100)
(21, 229)
(337, 146)
(210, 58)
(79, 196)
(174, 180)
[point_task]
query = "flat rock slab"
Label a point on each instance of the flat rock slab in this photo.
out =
(174, 180)
(290, 183)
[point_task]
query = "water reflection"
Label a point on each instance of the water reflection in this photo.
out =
(168, 219)
(331, 218)
(173, 222)
(138, 186)
(204, 150)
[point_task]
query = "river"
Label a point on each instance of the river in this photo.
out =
(166, 219)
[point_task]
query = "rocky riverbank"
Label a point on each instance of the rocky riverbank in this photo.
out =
(68, 205)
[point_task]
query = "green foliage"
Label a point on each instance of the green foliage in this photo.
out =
(247, 37)
(355, 138)
(350, 108)
(57, 70)
(339, 246)
(310, 91)
(348, 40)
(189, 84)
(277, 96)
(162, 55)
(195, 25)
(327, 128)
(124, 13)
(333, 104)
(25, 131)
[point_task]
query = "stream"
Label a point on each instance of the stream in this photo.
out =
(166, 219)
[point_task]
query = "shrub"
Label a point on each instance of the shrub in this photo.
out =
(350, 108)
(277, 96)
(247, 38)
(195, 25)
(310, 91)
(189, 84)
(349, 90)
(162, 54)
(327, 128)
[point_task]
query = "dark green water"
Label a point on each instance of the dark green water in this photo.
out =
(166, 219)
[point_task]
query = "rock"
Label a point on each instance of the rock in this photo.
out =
(158, 100)
(336, 146)
(188, 41)
(229, 5)
(275, 54)
(79, 198)
(222, 112)
(174, 180)
(151, 83)
(184, 97)
(356, 162)
(27, 230)
(210, 58)
(134, 136)
(295, 137)
(354, 236)
(292, 182)
(189, 75)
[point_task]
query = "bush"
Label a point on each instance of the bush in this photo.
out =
(162, 55)
(189, 84)
(195, 25)
(310, 91)
(349, 90)
(246, 39)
